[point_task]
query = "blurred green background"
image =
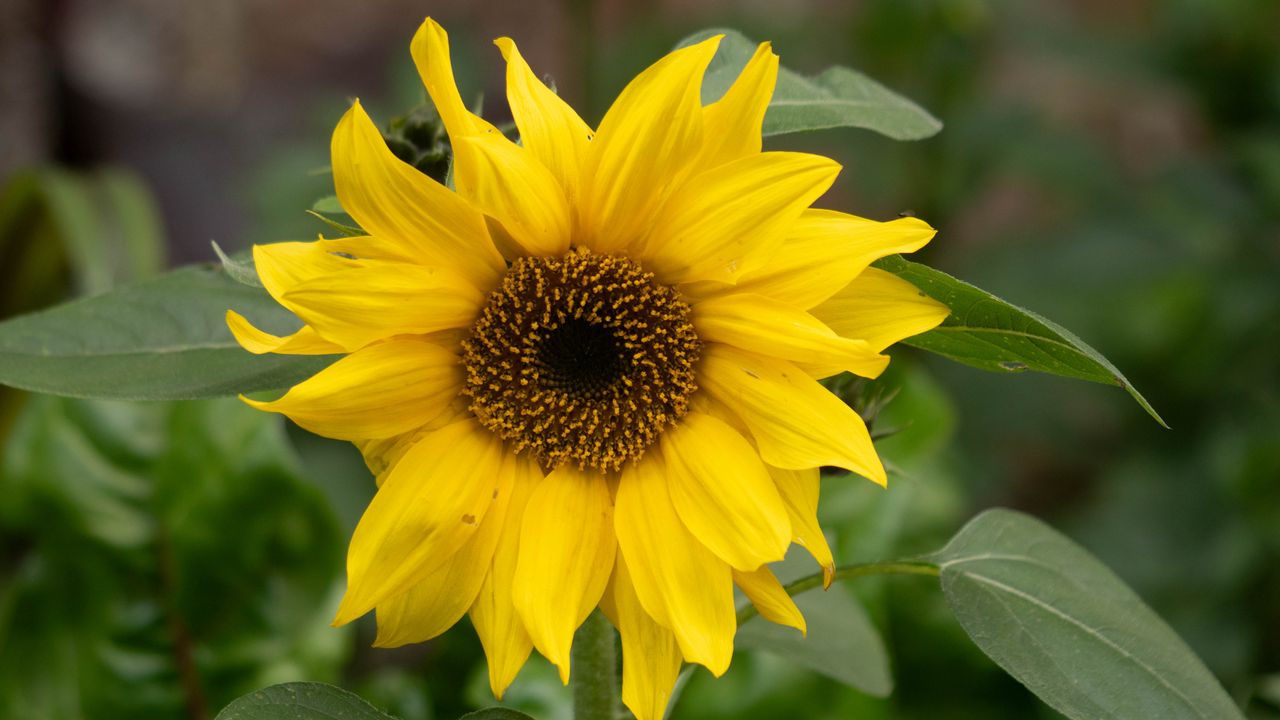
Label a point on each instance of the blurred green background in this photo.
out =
(1113, 165)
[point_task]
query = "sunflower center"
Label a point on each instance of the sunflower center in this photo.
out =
(581, 358)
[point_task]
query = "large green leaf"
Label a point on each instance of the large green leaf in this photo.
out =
(301, 701)
(161, 339)
(1065, 626)
(841, 641)
(836, 97)
(989, 333)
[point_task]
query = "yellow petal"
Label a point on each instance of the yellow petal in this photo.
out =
(728, 219)
(650, 652)
(431, 503)
(501, 178)
(369, 300)
(761, 325)
(367, 247)
(382, 390)
(795, 421)
(430, 50)
(644, 146)
(881, 308)
(440, 599)
(824, 250)
(549, 128)
(799, 491)
(798, 488)
(303, 342)
(723, 493)
(733, 123)
(681, 583)
(766, 593)
(282, 266)
(567, 548)
(506, 643)
(352, 302)
(393, 201)
(508, 183)
(381, 454)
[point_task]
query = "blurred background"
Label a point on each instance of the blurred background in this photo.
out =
(1113, 165)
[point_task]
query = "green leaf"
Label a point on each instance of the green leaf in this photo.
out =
(328, 205)
(1061, 623)
(836, 97)
(841, 642)
(240, 268)
(301, 701)
(989, 333)
(324, 207)
(340, 227)
(161, 339)
(496, 713)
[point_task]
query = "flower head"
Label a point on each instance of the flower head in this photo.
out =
(589, 376)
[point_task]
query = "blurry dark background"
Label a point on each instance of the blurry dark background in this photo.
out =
(1113, 165)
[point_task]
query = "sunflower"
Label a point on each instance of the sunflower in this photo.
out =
(588, 377)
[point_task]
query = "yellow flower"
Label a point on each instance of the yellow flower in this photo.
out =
(588, 377)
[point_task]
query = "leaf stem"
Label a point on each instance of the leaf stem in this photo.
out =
(595, 670)
(847, 572)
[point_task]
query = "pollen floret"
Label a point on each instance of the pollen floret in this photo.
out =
(581, 358)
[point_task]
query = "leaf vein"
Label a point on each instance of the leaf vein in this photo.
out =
(1107, 642)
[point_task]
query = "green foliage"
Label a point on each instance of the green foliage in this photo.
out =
(63, 232)
(836, 97)
(1049, 614)
(841, 642)
(160, 339)
(989, 333)
(1065, 626)
(328, 205)
(103, 224)
(537, 690)
(240, 268)
(301, 701)
(1118, 176)
(418, 138)
(159, 557)
(495, 713)
(329, 211)
(318, 701)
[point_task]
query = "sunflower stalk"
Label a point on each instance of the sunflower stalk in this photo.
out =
(595, 670)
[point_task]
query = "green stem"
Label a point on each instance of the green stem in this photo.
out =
(595, 670)
(846, 572)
